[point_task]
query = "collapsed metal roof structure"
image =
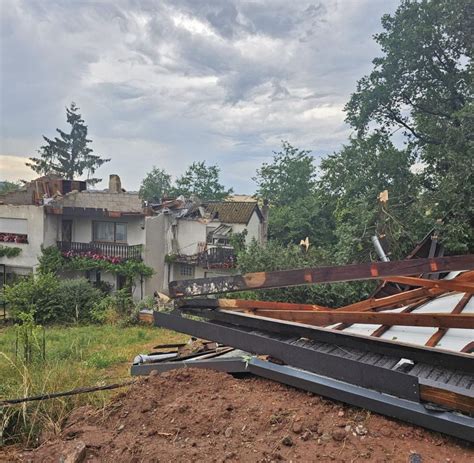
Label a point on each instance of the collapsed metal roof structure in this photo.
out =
(407, 354)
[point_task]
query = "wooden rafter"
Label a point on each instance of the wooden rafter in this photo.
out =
(406, 297)
(442, 320)
(384, 328)
(438, 335)
(283, 278)
(448, 285)
(248, 305)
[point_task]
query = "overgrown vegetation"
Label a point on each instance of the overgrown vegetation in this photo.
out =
(9, 251)
(420, 88)
(74, 357)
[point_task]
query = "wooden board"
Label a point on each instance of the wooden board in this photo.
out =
(440, 320)
(284, 278)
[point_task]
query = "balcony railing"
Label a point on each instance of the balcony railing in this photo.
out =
(217, 257)
(123, 251)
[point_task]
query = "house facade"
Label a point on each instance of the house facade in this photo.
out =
(197, 237)
(80, 222)
(179, 239)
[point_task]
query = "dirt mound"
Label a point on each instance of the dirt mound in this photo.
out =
(198, 415)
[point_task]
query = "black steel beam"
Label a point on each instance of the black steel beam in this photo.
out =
(433, 356)
(230, 365)
(344, 369)
(454, 424)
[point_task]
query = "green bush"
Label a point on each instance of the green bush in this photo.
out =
(51, 300)
(38, 295)
(276, 256)
(78, 298)
(116, 308)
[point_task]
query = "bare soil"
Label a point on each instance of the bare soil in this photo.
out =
(198, 415)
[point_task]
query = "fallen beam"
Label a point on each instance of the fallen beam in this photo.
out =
(439, 320)
(438, 357)
(283, 278)
(245, 304)
(344, 369)
(407, 297)
(438, 335)
(447, 285)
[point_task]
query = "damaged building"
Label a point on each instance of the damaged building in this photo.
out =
(178, 239)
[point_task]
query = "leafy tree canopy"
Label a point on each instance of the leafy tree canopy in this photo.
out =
(155, 185)
(351, 181)
(6, 186)
(68, 155)
(422, 84)
(203, 181)
(289, 177)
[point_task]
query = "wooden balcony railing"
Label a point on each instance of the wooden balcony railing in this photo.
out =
(123, 251)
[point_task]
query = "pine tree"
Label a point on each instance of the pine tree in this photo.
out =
(68, 155)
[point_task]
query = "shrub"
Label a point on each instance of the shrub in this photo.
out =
(118, 307)
(38, 295)
(50, 300)
(78, 298)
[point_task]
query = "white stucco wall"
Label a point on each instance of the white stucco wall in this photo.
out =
(36, 230)
(82, 227)
(155, 250)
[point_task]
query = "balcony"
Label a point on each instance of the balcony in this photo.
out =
(217, 257)
(120, 250)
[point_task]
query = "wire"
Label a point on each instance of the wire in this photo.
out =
(53, 395)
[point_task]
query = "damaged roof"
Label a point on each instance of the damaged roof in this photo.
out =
(233, 211)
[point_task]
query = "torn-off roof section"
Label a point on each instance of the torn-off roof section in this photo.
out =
(125, 202)
(233, 212)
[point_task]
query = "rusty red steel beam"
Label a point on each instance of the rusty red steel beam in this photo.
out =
(305, 276)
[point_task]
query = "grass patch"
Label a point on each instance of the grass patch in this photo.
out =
(76, 356)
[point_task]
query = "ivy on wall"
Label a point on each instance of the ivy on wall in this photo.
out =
(7, 251)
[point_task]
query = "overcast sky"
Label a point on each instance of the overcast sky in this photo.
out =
(168, 82)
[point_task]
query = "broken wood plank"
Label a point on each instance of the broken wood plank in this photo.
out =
(283, 278)
(460, 399)
(392, 301)
(246, 304)
(448, 285)
(443, 320)
(438, 335)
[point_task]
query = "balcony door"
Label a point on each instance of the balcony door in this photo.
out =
(66, 231)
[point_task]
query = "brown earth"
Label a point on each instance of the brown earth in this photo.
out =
(198, 415)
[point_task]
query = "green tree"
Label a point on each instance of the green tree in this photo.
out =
(422, 85)
(276, 256)
(6, 186)
(310, 217)
(203, 181)
(290, 176)
(351, 181)
(155, 185)
(68, 155)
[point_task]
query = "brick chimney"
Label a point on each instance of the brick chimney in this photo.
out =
(115, 185)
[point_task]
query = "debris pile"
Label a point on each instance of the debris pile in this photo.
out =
(195, 415)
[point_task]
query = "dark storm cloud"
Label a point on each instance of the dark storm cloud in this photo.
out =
(169, 82)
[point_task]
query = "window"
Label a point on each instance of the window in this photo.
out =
(110, 232)
(186, 270)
